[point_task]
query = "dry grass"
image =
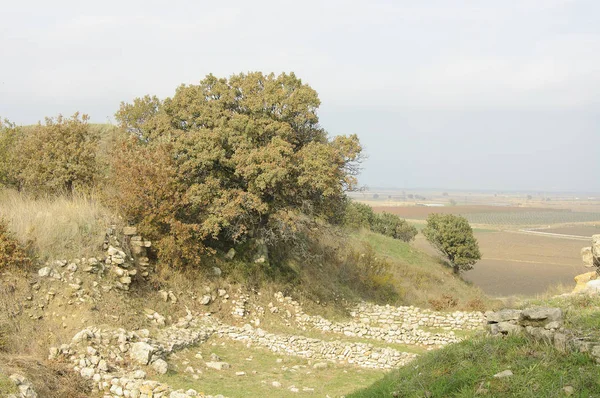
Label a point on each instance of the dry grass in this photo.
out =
(56, 227)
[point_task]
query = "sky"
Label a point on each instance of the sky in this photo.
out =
(455, 94)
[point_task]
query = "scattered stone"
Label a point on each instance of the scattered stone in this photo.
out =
(276, 384)
(160, 366)
(218, 365)
(141, 352)
(569, 390)
(503, 374)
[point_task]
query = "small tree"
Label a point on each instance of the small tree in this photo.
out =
(58, 156)
(453, 237)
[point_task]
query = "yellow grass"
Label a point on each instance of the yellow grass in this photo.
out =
(56, 227)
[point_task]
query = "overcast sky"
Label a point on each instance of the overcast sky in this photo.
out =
(500, 95)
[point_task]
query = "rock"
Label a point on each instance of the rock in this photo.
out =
(217, 271)
(276, 384)
(582, 279)
(240, 373)
(129, 231)
(508, 328)
(503, 374)
(569, 390)
(139, 374)
(160, 366)
(560, 342)
(596, 249)
(217, 365)
(230, 254)
(172, 297)
(178, 394)
(222, 292)
(320, 365)
(141, 352)
(503, 316)
(205, 300)
(539, 316)
(44, 272)
(164, 295)
(87, 373)
(592, 286)
(588, 257)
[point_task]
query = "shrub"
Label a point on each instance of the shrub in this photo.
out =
(9, 134)
(358, 215)
(391, 225)
(12, 254)
(446, 302)
(57, 157)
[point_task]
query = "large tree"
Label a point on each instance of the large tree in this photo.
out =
(453, 237)
(232, 157)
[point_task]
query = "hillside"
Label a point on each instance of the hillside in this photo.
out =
(77, 284)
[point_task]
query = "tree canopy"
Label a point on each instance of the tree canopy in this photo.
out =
(54, 157)
(226, 160)
(453, 237)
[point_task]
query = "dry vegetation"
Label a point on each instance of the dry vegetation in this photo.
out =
(56, 227)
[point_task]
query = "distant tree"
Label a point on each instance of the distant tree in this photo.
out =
(411, 196)
(445, 194)
(452, 202)
(393, 226)
(375, 196)
(529, 197)
(58, 156)
(453, 237)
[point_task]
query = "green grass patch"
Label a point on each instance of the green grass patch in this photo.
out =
(420, 278)
(7, 386)
(262, 367)
(460, 370)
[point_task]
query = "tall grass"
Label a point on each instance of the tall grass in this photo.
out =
(56, 227)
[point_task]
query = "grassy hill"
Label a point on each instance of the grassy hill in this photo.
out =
(467, 369)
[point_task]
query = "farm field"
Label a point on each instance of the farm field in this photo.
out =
(504, 216)
(520, 264)
(580, 230)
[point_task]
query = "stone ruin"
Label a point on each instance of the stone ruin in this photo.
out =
(543, 324)
(590, 281)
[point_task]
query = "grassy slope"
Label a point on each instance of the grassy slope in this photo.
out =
(539, 370)
(461, 369)
(420, 277)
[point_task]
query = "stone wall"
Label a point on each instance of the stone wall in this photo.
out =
(401, 325)
(541, 323)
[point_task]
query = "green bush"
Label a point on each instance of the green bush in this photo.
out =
(391, 225)
(358, 215)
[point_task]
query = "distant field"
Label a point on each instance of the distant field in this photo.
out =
(581, 230)
(516, 263)
(496, 215)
